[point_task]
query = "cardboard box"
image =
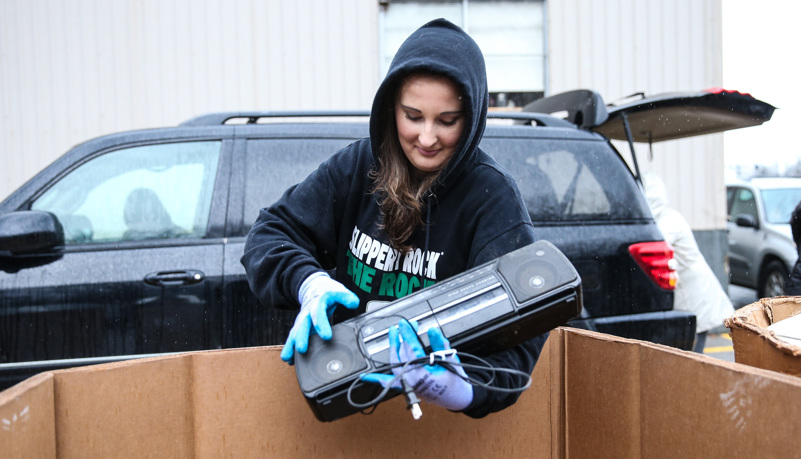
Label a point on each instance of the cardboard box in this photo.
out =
(788, 330)
(757, 346)
(593, 395)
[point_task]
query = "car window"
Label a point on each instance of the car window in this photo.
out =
(743, 203)
(779, 203)
(273, 165)
(144, 192)
(568, 181)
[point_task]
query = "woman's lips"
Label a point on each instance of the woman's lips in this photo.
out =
(425, 152)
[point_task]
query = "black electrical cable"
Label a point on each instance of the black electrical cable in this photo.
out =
(386, 368)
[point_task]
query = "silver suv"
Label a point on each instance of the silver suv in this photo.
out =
(761, 247)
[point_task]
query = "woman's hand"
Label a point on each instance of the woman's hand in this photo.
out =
(433, 383)
(319, 295)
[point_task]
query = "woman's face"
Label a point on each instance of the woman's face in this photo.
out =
(430, 120)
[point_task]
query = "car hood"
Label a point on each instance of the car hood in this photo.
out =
(680, 115)
(782, 229)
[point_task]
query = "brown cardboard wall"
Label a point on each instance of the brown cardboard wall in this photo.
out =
(780, 308)
(552, 360)
(593, 395)
(128, 409)
(27, 422)
(697, 407)
(602, 397)
(250, 406)
(755, 345)
(633, 399)
(757, 349)
(246, 403)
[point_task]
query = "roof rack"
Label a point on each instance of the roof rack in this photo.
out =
(218, 119)
(541, 119)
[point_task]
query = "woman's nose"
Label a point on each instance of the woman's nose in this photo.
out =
(428, 136)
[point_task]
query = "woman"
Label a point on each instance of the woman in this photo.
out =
(414, 204)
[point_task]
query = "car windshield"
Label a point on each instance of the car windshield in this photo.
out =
(779, 203)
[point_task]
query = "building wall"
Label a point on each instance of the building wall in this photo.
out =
(620, 47)
(73, 70)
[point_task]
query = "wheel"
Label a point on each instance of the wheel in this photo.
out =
(773, 280)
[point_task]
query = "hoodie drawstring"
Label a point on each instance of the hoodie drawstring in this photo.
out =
(428, 219)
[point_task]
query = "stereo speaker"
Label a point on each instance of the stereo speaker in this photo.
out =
(328, 361)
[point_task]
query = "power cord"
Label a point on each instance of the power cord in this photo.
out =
(412, 401)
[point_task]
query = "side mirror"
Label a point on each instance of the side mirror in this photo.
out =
(746, 221)
(29, 231)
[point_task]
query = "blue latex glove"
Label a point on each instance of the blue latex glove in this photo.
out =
(432, 383)
(319, 295)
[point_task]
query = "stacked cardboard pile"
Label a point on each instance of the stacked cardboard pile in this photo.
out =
(593, 395)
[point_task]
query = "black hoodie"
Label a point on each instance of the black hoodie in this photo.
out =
(330, 221)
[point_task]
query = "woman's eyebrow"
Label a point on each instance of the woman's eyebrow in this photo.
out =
(454, 112)
(406, 107)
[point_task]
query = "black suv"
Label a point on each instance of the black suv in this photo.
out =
(129, 244)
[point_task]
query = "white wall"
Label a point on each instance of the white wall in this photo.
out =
(619, 47)
(73, 70)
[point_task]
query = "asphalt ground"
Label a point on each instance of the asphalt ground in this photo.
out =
(718, 345)
(718, 342)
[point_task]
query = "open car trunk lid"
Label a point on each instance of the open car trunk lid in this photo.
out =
(680, 115)
(657, 118)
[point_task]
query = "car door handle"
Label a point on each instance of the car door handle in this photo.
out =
(174, 278)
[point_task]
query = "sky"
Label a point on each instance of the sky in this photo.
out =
(760, 57)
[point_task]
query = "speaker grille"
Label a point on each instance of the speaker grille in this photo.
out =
(329, 361)
(535, 270)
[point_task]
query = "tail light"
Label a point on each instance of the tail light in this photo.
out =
(656, 259)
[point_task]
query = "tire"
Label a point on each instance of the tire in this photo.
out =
(773, 281)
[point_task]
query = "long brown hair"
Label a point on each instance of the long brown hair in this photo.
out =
(401, 188)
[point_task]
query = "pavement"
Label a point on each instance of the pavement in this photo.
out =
(718, 342)
(718, 345)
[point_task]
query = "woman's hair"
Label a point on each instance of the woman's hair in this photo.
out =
(401, 188)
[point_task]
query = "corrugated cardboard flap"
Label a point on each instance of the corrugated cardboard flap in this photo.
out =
(757, 346)
(628, 398)
(27, 419)
(592, 395)
(246, 403)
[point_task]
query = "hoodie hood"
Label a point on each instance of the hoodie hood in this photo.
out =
(442, 48)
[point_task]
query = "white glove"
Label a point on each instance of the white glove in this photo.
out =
(319, 295)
